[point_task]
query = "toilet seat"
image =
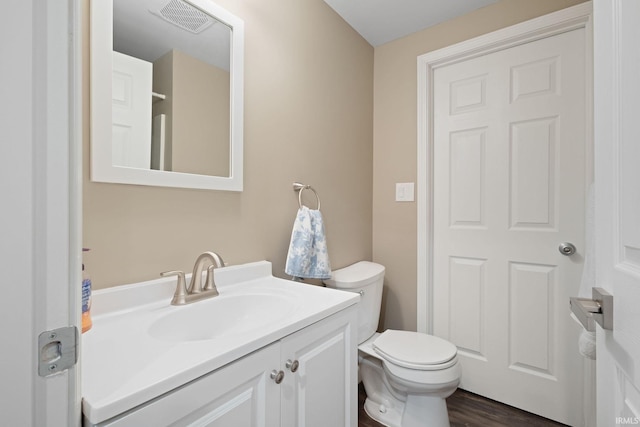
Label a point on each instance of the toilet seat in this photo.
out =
(415, 350)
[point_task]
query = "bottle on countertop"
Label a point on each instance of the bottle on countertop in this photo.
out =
(86, 299)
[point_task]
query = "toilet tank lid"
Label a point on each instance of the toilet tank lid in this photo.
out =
(414, 350)
(356, 275)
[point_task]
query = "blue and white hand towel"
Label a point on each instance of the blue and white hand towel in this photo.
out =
(308, 256)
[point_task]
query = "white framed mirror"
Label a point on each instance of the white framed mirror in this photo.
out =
(166, 94)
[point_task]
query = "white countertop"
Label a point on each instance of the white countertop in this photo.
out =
(123, 365)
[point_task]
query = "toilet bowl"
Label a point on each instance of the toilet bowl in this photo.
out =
(406, 375)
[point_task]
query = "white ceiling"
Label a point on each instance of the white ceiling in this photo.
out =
(139, 31)
(381, 21)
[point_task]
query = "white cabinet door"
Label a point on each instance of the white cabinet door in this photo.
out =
(322, 390)
(241, 394)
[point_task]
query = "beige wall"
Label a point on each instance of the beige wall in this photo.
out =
(395, 135)
(308, 117)
(201, 117)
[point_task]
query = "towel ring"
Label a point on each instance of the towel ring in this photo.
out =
(300, 188)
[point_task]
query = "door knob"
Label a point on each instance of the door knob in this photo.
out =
(567, 248)
(292, 365)
(277, 376)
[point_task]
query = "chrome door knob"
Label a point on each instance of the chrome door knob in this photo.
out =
(567, 248)
(277, 376)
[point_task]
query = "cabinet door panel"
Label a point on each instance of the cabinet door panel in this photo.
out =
(240, 395)
(322, 392)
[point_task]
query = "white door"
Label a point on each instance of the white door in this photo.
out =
(40, 215)
(131, 93)
(617, 160)
(509, 187)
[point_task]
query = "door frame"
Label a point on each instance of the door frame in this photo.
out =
(572, 18)
(42, 177)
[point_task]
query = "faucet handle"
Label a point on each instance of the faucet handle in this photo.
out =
(209, 283)
(180, 296)
(178, 273)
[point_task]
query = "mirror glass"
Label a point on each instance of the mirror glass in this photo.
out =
(172, 114)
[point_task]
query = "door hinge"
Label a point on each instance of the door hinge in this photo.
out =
(57, 350)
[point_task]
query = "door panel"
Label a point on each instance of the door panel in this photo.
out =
(532, 174)
(131, 107)
(509, 187)
(617, 155)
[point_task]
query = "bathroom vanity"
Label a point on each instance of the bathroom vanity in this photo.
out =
(267, 351)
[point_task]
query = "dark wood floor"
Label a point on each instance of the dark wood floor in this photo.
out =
(470, 410)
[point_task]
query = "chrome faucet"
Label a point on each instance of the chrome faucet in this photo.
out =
(195, 291)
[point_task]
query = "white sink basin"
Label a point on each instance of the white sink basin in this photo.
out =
(221, 315)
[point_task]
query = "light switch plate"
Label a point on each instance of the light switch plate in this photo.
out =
(404, 192)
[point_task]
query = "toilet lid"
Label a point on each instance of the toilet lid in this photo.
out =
(414, 350)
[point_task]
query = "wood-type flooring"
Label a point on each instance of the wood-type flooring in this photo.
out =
(470, 410)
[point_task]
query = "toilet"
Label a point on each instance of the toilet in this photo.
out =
(406, 375)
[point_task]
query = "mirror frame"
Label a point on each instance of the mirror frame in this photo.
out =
(102, 170)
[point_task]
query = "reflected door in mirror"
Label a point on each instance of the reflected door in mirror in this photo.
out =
(131, 106)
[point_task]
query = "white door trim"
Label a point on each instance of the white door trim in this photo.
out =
(579, 16)
(57, 183)
(41, 224)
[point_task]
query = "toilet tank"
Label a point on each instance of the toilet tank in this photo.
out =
(365, 278)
